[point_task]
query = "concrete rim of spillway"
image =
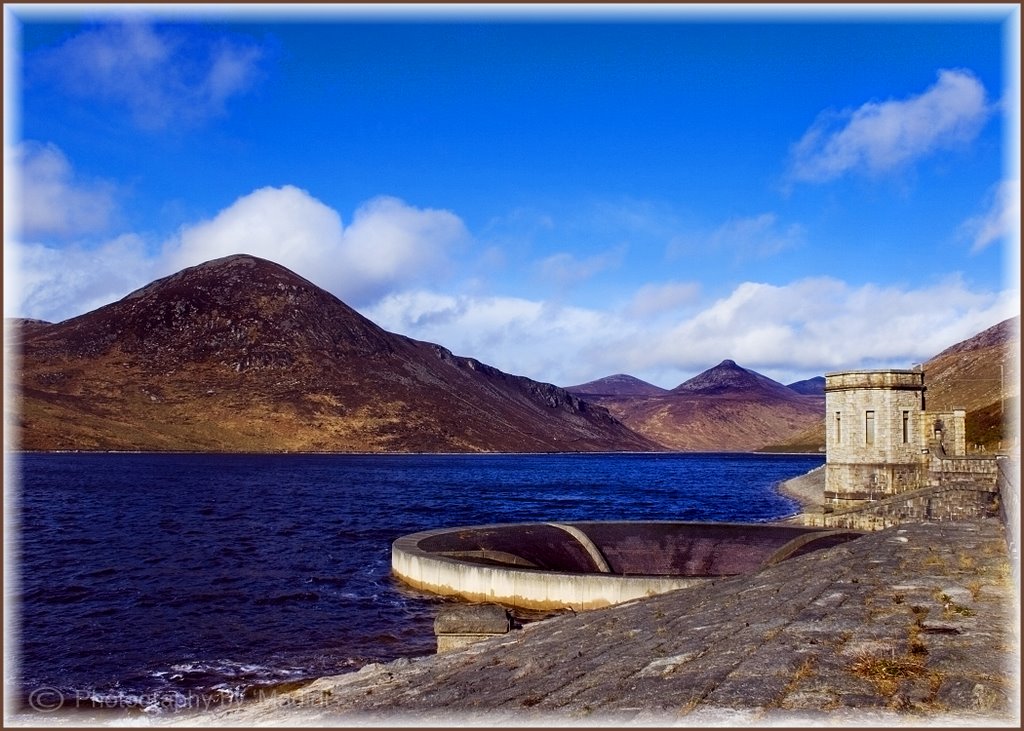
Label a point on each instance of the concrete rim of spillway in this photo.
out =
(589, 564)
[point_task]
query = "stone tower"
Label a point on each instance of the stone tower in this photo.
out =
(874, 441)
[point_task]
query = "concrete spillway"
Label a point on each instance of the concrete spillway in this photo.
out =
(585, 565)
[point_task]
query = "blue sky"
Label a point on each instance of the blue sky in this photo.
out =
(562, 195)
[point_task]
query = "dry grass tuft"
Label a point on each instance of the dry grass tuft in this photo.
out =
(887, 673)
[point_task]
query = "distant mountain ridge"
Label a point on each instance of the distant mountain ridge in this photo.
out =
(810, 386)
(725, 408)
(618, 385)
(241, 354)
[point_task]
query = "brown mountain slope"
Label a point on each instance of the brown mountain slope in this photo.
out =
(725, 408)
(980, 376)
(977, 372)
(240, 354)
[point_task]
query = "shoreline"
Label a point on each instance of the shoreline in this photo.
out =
(808, 490)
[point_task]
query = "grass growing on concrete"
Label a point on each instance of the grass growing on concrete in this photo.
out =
(888, 673)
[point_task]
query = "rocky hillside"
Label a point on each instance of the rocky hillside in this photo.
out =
(241, 354)
(976, 372)
(979, 375)
(725, 408)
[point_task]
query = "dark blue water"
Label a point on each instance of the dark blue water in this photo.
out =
(143, 578)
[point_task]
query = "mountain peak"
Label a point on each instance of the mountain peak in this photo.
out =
(728, 378)
(238, 311)
(621, 384)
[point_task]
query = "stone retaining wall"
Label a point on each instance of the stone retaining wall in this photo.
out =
(951, 501)
(983, 471)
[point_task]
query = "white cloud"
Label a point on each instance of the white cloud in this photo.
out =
(163, 78)
(528, 337)
(285, 224)
(1000, 220)
(390, 261)
(821, 324)
(789, 332)
(50, 199)
(54, 284)
(882, 136)
(389, 245)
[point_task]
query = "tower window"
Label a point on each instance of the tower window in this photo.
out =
(869, 427)
(906, 427)
(839, 427)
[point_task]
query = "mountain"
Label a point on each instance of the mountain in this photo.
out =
(725, 408)
(976, 372)
(729, 380)
(809, 387)
(980, 376)
(241, 354)
(615, 386)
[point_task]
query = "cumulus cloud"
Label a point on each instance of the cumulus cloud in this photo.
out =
(538, 339)
(388, 245)
(53, 284)
(160, 76)
(819, 324)
(1001, 219)
(51, 199)
(881, 136)
(391, 260)
(284, 224)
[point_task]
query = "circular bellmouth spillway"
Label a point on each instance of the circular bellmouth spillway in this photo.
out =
(584, 565)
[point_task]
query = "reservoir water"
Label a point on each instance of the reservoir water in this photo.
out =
(151, 581)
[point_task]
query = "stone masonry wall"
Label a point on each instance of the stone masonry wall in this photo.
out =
(888, 396)
(954, 501)
(982, 471)
(945, 432)
(852, 484)
(873, 434)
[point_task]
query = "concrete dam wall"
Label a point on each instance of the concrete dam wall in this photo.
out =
(585, 565)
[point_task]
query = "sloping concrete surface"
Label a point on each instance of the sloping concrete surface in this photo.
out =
(914, 625)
